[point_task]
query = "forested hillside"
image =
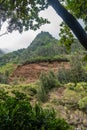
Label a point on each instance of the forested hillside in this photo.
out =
(43, 47)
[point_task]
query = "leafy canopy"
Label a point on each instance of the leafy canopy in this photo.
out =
(79, 9)
(66, 36)
(16, 113)
(24, 14)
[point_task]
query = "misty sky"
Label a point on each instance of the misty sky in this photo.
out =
(15, 40)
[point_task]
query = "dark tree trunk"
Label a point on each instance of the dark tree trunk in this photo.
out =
(71, 21)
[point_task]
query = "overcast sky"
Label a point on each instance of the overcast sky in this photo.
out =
(16, 40)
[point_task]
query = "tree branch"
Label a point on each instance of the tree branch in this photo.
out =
(71, 21)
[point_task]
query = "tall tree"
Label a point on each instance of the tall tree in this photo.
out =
(71, 21)
(24, 14)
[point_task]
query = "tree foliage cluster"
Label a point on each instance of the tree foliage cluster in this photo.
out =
(48, 81)
(19, 114)
(78, 8)
(22, 14)
(76, 73)
(66, 36)
(4, 77)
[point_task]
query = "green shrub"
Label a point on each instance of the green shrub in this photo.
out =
(70, 86)
(3, 94)
(41, 94)
(7, 68)
(20, 115)
(83, 104)
(81, 87)
(3, 78)
(78, 74)
(19, 95)
(75, 73)
(49, 81)
(32, 91)
(64, 75)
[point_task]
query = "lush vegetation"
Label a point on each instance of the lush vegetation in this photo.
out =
(76, 73)
(11, 57)
(8, 67)
(17, 113)
(15, 103)
(47, 82)
(65, 90)
(6, 71)
(43, 47)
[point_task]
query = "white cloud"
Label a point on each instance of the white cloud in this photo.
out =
(16, 41)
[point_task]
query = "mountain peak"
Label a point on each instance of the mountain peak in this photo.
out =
(42, 39)
(43, 34)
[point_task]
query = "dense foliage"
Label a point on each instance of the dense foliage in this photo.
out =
(66, 36)
(19, 114)
(49, 81)
(76, 72)
(4, 77)
(24, 15)
(78, 8)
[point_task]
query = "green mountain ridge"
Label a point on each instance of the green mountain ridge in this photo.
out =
(44, 46)
(42, 39)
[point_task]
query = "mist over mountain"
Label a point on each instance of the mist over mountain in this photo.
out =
(6, 50)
